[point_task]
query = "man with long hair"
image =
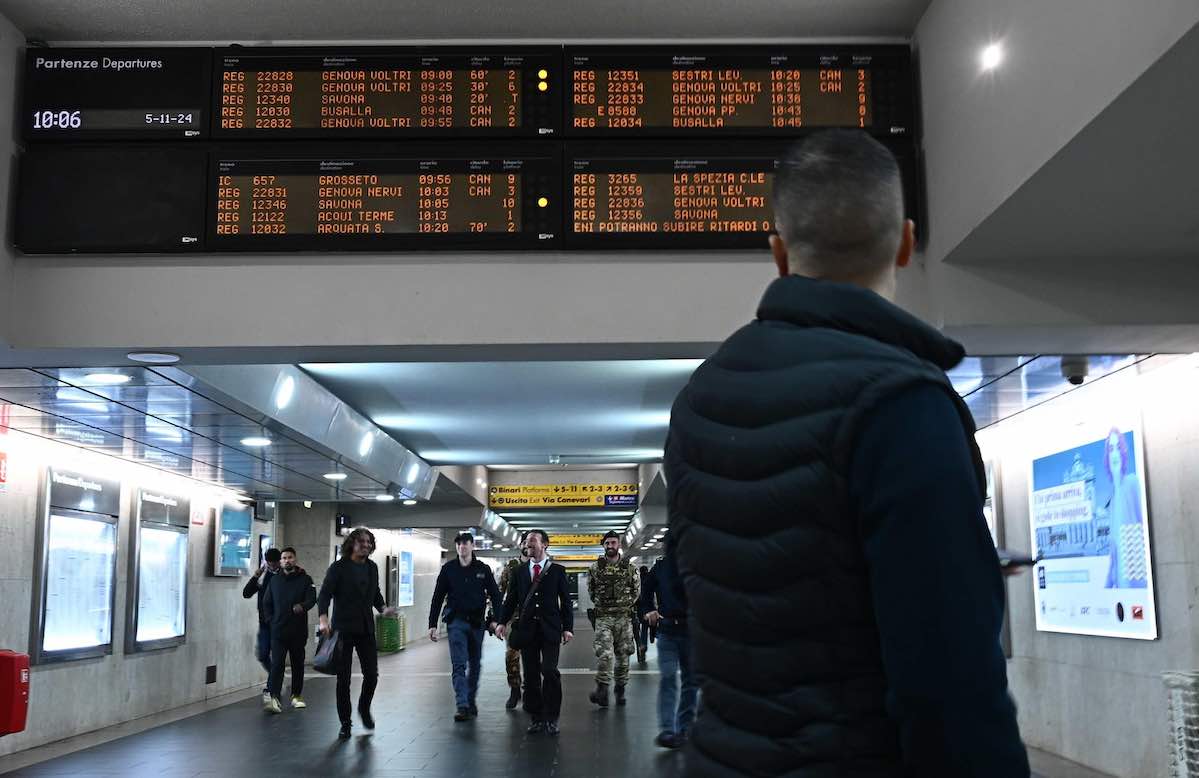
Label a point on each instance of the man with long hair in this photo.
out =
(352, 584)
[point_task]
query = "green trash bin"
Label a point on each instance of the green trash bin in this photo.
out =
(387, 634)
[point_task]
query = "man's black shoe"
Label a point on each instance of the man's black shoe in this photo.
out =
(463, 714)
(536, 727)
(474, 710)
(669, 740)
(551, 729)
(344, 732)
(513, 698)
(368, 720)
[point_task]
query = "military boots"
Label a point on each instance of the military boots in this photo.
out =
(600, 695)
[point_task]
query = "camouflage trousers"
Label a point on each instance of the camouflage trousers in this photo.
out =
(613, 646)
(512, 665)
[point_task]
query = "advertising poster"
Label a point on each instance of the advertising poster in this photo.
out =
(1090, 526)
(406, 589)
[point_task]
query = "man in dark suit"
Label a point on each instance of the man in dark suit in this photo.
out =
(352, 583)
(549, 618)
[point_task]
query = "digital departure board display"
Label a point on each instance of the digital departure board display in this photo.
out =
(388, 92)
(727, 91)
(640, 196)
(93, 94)
(441, 198)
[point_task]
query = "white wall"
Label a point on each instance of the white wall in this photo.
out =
(70, 698)
(1097, 700)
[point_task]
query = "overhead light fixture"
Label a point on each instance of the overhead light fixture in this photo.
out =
(410, 502)
(365, 445)
(413, 472)
(384, 497)
(153, 357)
(107, 379)
(286, 390)
(336, 476)
(991, 57)
(256, 441)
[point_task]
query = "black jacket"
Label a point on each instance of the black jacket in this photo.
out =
(804, 607)
(665, 593)
(551, 604)
(252, 588)
(467, 588)
(352, 602)
(283, 592)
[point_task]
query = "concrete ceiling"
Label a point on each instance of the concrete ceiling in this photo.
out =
(375, 20)
(1123, 190)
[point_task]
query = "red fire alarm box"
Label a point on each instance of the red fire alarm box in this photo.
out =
(14, 691)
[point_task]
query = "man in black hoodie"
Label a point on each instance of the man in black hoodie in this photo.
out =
(257, 586)
(290, 594)
(825, 497)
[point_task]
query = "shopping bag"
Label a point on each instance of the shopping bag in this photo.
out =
(327, 650)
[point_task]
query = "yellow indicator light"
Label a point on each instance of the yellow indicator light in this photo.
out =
(542, 202)
(543, 73)
(541, 85)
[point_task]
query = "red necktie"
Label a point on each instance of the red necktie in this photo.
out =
(536, 571)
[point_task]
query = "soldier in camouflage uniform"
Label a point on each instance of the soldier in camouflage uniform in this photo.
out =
(614, 588)
(512, 656)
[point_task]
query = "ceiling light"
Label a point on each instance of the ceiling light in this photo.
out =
(365, 445)
(153, 357)
(256, 441)
(336, 476)
(384, 497)
(413, 472)
(286, 390)
(410, 502)
(106, 379)
(992, 56)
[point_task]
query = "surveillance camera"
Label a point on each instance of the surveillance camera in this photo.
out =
(1074, 369)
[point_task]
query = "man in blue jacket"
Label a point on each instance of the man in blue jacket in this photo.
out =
(665, 602)
(825, 497)
(467, 583)
(257, 586)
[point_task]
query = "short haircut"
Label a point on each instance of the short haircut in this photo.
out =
(288, 550)
(838, 204)
(545, 539)
(272, 554)
(464, 537)
(611, 534)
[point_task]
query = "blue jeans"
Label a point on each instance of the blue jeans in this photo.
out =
(675, 713)
(262, 651)
(466, 653)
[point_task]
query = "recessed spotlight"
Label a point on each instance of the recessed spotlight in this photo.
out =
(286, 391)
(410, 502)
(336, 476)
(256, 441)
(384, 497)
(106, 379)
(992, 57)
(153, 357)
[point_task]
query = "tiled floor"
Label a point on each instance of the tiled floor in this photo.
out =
(415, 736)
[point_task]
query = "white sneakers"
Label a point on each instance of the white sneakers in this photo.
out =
(298, 702)
(272, 705)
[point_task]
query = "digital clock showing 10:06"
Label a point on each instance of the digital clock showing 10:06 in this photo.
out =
(57, 120)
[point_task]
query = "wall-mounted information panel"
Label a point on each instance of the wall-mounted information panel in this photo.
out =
(131, 198)
(688, 91)
(449, 196)
(381, 92)
(156, 613)
(686, 195)
(75, 575)
(97, 94)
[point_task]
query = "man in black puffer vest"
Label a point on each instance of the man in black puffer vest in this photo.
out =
(825, 499)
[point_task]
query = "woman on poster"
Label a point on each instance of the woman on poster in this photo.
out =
(1127, 543)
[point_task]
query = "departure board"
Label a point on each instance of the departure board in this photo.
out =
(376, 201)
(737, 91)
(116, 94)
(645, 196)
(388, 92)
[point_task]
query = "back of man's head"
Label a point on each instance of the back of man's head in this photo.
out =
(838, 205)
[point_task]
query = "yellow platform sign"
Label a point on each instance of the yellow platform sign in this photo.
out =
(576, 540)
(574, 558)
(563, 496)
